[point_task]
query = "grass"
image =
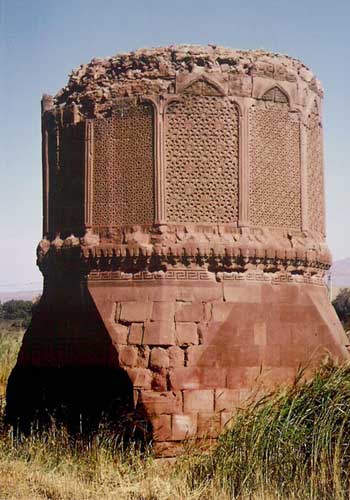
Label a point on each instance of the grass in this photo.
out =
(293, 444)
(10, 341)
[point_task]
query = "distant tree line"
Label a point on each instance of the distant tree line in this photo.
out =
(342, 306)
(17, 311)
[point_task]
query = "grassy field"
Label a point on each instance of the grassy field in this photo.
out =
(294, 444)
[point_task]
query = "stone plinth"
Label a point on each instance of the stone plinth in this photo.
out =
(184, 241)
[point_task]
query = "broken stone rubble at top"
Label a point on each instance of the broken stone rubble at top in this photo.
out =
(154, 70)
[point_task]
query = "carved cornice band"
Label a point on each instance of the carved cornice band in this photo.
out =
(72, 254)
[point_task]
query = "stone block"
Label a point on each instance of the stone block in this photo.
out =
(168, 293)
(198, 401)
(159, 333)
(163, 311)
(248, 355)
(189, 312)
(208, 293)
(275, 376)
(210, 333)
(143, 356)
(295, 355)
(161, 427)
(242, 293)
(270, 355)
(162, 293)
(313, 334)
(197, 378)
(279, 294)
(186, 333)
(140, 377)
(203, 355)
(159, 358)
(208, 311)
(118, 333)
(135, 311)
(128, 355)
(279, 333)
(208, 425)
(241, 377)
(293, 314)
(221, 311)
(135, 333)
(157, 403)
(159, 381)
(260, 336)
(117, 310)
(243, 335)
(225, 333)
(226, 399)
(176, 357)
(184, 426)
(121, 293)
(240, 85)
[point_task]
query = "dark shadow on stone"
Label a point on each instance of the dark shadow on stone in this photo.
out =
(67, 372)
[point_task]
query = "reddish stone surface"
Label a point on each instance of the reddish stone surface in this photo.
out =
(186, 333)
(182, 289)
(159, 333)
(184, 426)
(135, 334)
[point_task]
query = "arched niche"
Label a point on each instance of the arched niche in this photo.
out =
(275, 94)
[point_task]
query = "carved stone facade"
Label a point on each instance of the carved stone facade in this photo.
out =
(202, 154)
(274, 157)
(123, 172)
(315, 186)
(184, 245)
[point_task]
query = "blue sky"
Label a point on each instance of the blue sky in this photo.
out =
(41, 41)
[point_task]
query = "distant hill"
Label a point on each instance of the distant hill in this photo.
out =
(341, 273)
(19, 295)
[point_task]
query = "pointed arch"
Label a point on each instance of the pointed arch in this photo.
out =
(275, 94)
(203, 86)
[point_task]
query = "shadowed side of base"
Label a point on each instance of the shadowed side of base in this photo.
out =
(68, 371)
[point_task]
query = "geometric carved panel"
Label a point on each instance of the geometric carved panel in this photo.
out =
(123, 167)
(202, 158)
(67, 180)
(274, 165)
(316, 208)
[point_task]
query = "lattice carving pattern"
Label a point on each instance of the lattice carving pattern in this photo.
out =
(274, 158)
(316, 208)
(202, 160)
(123, 175)
(67, 181)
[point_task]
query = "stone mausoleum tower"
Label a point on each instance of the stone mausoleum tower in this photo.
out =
(184, 239)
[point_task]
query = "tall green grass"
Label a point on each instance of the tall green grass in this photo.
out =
(295, 442)
(10, 343)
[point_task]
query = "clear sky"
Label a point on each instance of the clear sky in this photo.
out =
(41, 41)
